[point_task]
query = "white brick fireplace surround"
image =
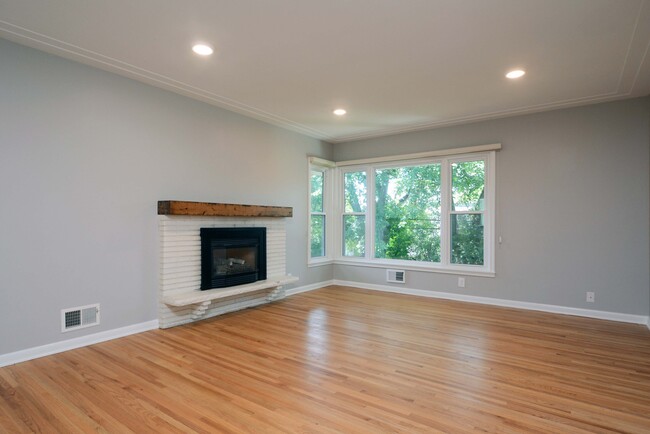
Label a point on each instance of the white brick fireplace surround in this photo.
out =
(180, 268)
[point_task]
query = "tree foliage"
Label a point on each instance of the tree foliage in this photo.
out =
(317, 229)
(468, 188)
(408, 213)
(407, 204)
(354, 226)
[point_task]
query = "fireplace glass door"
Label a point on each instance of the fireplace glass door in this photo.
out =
(232, 256)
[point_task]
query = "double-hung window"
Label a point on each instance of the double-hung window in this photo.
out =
(467, 212)
(318, 216)
(355, 196)
(320, 204)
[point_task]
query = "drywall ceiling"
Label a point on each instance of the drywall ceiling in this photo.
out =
(394, 65)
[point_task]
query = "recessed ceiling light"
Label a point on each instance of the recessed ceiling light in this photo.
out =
(516, 73)
(202, 49)
(339, 112)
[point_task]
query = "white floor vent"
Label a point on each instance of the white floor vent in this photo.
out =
(79, 317)
(395, 276)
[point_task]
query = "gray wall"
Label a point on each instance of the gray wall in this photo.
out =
(84, 157)
(572, 205)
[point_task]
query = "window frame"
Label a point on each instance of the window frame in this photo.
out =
(326, 168)
(341, 177)
(391, 165)
(445, 265)
(487, 212)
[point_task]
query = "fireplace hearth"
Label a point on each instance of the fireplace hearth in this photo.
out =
(232, 256)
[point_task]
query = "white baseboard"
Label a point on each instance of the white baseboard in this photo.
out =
(70, 344)
(311, 287)
(648, 323)
(599, 314)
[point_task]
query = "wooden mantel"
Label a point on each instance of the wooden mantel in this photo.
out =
(177, 207)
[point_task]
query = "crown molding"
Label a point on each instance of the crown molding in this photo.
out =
(634, 75)
(576, 102)
(57, 47)
(633, 78)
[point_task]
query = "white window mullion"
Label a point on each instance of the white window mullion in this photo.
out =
(370, 217)
(309, 168)
(445, 220)
(335, 221)
(489, 228)
(336, 227)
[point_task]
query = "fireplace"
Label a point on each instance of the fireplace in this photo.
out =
(232, 256)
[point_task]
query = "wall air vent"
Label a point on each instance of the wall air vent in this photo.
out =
(395, 276)
(79, 317)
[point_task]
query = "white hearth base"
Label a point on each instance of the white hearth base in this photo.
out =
(180, 299)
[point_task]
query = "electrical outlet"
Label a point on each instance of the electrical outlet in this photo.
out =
(461, 282)
(591, 297)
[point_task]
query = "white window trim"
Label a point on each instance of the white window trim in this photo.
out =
(333, 203)
(340, 175)
(327, 168)
(411, 266)
(454, 152)
(445, 266)
(488, 212)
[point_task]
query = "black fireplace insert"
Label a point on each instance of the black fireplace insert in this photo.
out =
(232, 256)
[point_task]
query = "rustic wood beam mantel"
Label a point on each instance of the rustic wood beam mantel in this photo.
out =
(177, 207)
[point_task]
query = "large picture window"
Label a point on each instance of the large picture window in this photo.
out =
(408, 213)
(429, 213)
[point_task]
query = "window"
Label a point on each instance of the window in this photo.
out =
(320, 205)
(354, 213)
(408, 213)
(317, 217)
(428, 214)
(467, 212)
(431, 211)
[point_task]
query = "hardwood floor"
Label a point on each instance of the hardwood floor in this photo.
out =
(345, 360)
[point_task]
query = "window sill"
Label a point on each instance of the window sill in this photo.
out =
(319, 262)
(405, 265)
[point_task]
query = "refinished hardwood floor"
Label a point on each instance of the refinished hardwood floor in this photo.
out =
(345, 360)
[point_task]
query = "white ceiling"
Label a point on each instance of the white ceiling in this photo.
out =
(395, 65)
